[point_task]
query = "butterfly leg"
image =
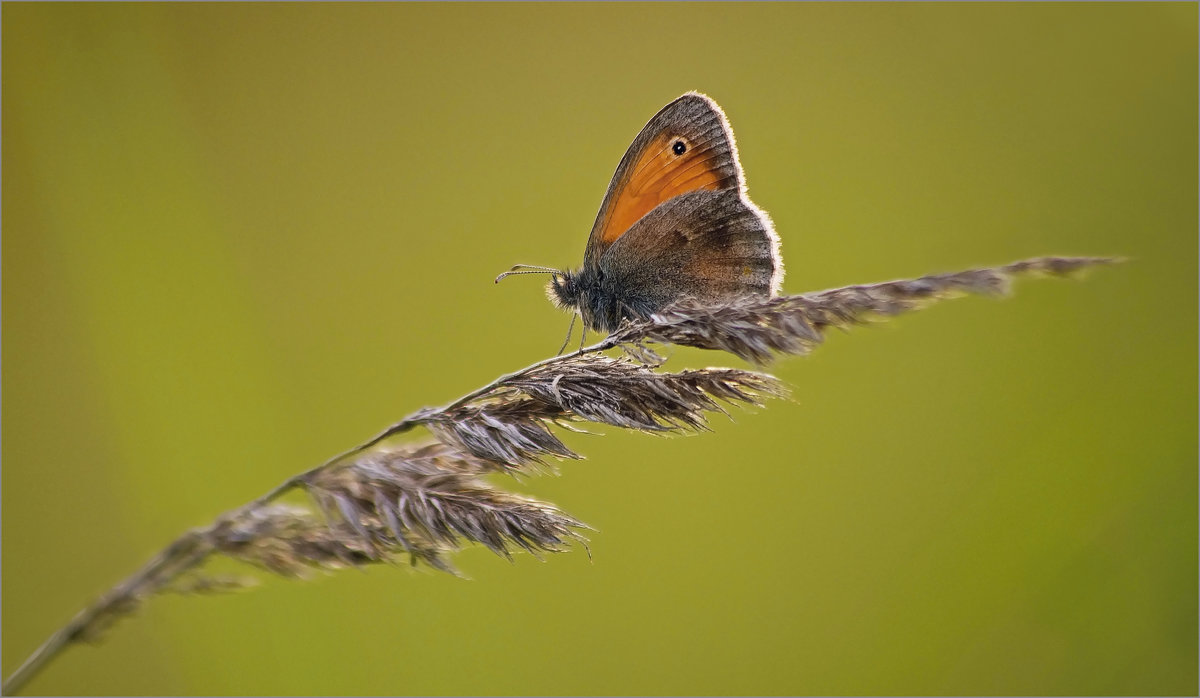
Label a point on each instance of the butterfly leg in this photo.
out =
(570, 329)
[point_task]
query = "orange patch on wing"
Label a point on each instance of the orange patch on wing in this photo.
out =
(657, 176)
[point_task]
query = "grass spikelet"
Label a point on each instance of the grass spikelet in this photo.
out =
(401, 500)
(292, 541)
(511, 423)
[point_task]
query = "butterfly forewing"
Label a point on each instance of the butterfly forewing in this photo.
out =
(686, 147)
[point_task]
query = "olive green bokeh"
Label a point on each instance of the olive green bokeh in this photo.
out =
(238, 239)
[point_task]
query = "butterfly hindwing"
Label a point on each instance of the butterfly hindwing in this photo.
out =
(706, 245)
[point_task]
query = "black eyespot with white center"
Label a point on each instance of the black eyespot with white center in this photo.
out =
(679, 148)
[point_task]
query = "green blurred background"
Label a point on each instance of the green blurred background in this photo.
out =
(238, 239)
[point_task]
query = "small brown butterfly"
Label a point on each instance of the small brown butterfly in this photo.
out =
(676, 223)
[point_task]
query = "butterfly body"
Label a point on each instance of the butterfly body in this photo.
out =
(675, 223)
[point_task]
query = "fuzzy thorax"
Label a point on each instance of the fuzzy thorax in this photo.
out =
(602, 306)
(584, 290)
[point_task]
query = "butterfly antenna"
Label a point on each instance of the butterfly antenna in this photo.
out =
(538, 267)
(527, 269)
(570, 329)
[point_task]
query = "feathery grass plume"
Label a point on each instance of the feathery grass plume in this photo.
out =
(411, 498)
(510, 424)
(425, 501)
(756, 329)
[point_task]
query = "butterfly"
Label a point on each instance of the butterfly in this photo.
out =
(675, 223)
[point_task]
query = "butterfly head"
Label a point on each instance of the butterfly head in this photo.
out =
(564, 289)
